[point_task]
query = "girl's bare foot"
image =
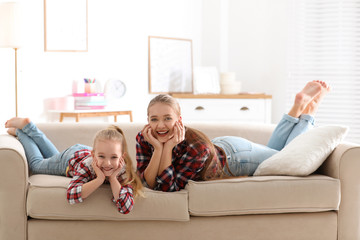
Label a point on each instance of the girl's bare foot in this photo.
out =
(17, 122)
(303, 98)
(312, 107)
(12, 131)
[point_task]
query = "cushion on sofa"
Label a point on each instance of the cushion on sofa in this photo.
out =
(263, 195)
(303, 155)
(47, 200)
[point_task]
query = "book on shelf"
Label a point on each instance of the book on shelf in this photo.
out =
(89, 107)
(87, 94)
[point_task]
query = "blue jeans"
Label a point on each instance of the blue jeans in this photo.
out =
(244, 156)
(41, 154)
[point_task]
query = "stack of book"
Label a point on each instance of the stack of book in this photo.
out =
(89, 101)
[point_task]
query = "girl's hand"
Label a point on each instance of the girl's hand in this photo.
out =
(149, 137)
(115, 174)
(179, 135)
(98, 172)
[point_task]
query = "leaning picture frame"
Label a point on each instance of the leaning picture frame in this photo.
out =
(66, 25)
(170, 65)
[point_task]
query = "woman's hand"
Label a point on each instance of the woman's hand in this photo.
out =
(149, 137)
(98, 172)
(178, 136)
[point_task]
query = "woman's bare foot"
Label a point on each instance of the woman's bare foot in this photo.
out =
(312, 107)
(303, 98)
(17, 122)
(12, 131)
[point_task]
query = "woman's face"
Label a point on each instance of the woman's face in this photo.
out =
(162, 118)
(108, 154)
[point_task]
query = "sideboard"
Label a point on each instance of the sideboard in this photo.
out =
(225, 107)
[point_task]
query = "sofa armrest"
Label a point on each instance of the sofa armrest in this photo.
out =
(344, 164)
(13, 188)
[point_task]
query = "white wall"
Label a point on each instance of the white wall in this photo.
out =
(256, 41)
(257, 48)
(118, 48)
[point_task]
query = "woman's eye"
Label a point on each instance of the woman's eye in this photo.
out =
(153, 120)
(168, 119)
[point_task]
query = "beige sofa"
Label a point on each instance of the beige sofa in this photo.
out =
(325, 205)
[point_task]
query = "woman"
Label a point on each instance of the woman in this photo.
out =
(169, 155)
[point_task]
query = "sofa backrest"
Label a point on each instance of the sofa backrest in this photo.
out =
(64, 135)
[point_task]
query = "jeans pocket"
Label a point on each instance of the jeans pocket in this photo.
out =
(235, 144)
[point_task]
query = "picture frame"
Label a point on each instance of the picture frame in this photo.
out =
(69, 33)
(170, 65)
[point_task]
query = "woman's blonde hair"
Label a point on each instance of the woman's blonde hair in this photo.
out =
(114, 133)
(165, 99)
(195, 136)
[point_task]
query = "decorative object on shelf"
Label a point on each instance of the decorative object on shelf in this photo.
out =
(90, 85)
(228, 83)
(114, 89)
(66, 25)
(170, 65)
(10, 37)
(206, 80)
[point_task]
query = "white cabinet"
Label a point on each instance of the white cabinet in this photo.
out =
(239, 107)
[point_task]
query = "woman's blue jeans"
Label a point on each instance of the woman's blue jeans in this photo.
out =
(244, 156)
(42, 155)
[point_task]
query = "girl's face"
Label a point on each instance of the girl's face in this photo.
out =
(162, 118)
(108, 155)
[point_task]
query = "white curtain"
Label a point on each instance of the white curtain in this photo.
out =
(324, 44)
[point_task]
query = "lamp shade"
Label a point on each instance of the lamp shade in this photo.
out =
(10, 25)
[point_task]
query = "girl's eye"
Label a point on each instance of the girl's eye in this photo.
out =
(101, 156)
(114, 157)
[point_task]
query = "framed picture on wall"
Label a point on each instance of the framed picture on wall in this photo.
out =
(170, 65)
(66, 25)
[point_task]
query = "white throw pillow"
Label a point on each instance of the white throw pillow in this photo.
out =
(305, 153)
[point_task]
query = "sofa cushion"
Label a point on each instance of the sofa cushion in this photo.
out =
(303, 155)
(262, 195)
(47, 200)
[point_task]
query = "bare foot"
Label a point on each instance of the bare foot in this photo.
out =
(12, 131)
(303, 98)
(312, 107)
(17, 122)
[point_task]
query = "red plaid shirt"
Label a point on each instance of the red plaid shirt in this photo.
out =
(188, 160)
(81, 171)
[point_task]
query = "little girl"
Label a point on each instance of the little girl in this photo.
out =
(169, 155)
(89, 169)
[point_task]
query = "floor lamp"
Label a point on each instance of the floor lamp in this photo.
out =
(10, 24)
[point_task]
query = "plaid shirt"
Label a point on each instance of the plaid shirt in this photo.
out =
(188, 160)
(81, 171)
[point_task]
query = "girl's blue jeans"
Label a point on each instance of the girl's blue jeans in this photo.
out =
(244, 156)
(42, 155)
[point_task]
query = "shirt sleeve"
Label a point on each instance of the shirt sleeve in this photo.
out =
(81, 175)
(125, 201)
(143, 155)
(175, 178)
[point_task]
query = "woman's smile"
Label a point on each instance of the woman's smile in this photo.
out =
(162, 133)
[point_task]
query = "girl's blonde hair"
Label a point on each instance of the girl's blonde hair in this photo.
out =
(195, 136)
(114, 133)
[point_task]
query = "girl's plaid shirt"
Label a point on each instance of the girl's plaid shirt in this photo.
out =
(81, 171)
(188, 160)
